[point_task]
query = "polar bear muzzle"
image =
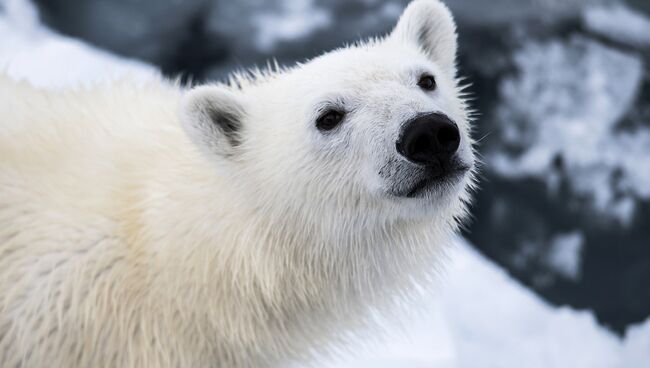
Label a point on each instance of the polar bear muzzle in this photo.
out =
(430, 139)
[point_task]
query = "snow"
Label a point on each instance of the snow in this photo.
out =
(619, 23)
(30, 51)
(564, 255)
(479, 316)
(391, 10)
(295, 19)
(564, 105)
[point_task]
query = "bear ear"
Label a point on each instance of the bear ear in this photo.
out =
(212, 116)
(429, 25)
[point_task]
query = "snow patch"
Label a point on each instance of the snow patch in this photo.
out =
(294, 20)
(482, 317)
(564, 254)
(620, 23)
(560, 112)
(391, 10)
(21, 14)
(31, 52)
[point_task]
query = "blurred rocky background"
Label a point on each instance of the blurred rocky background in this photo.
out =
(563, 91)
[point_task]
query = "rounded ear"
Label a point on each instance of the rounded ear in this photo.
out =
(429, 25)
(212, 116)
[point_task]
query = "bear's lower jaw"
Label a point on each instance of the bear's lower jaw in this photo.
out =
(438, 182)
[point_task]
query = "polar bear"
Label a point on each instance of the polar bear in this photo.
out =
(255, 223)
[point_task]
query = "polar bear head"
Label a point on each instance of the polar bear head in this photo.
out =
(375, 130)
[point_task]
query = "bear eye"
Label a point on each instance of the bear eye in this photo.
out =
(427, 82)
(329, 120)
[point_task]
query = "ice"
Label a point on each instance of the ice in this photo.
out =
(293, 20)
(619, 23)
(560, 113)
(564, 254)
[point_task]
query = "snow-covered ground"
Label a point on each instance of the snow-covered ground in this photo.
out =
(479, 317)
(30, 51)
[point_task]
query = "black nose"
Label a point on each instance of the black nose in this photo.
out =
(429, 139)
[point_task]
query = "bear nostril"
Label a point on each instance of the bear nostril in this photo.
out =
(448, 138)
(429, 139)
(420, 145)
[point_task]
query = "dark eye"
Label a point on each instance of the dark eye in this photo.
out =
(329, 120)
(427, 82)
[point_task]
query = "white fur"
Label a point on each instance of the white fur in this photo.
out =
(135, 234)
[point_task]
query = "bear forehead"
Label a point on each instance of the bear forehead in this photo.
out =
(358, 66)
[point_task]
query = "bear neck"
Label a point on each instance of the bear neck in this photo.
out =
(287, 271)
